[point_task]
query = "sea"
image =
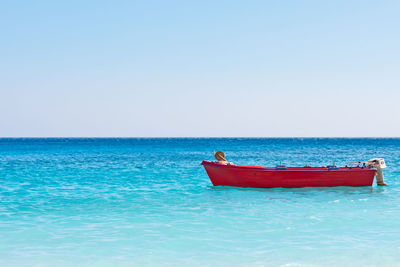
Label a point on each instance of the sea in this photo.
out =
(149, 202)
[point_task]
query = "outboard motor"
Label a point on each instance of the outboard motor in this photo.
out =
(379, 164)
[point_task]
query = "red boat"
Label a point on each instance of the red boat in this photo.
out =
(228, 174)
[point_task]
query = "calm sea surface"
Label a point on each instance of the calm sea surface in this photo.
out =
(149, 202)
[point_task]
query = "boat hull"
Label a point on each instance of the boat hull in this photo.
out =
(262, 177)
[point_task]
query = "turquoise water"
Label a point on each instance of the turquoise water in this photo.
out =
(148, 202)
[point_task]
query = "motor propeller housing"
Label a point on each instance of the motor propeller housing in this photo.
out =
(379, 164)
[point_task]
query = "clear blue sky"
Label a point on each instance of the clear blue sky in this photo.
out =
(199, 68)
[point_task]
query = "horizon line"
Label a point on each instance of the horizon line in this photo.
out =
(198, 137)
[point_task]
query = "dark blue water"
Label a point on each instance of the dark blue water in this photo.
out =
(149, 202)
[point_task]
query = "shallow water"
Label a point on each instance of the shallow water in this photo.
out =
(149, 202)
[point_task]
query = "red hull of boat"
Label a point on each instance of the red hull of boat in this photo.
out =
(263, 177)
